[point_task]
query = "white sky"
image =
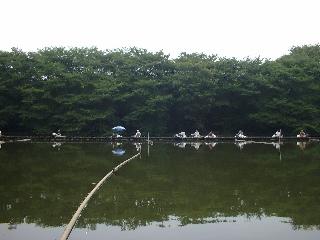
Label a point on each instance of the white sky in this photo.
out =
(229, 28)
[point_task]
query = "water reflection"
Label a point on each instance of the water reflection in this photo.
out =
(195, 145)
(175, 186)
(12, 226)
(57, 145)
(211, 145)
(241, 143)
(118, 151)
(138, 146)
(277, 145)
(116, 144)
(180, 144)
(303, 145)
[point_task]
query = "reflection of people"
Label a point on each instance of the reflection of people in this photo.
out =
(277, 145)
(181, 144)
(212, 145)
(57, 144)
(138, 134)
(115, 144)
(240, 144)
(302, 145)
(196, 145)
(138, 146)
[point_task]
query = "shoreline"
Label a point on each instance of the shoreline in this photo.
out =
(157, 139)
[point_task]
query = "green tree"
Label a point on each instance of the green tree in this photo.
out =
(289, 99)
(141, 97)
(195, 91)
(16, 69)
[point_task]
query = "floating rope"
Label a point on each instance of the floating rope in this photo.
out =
(71, 224)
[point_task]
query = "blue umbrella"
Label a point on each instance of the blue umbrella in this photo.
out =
(118, 151)
(118, 128)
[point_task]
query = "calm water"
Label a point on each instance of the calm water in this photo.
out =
(173, 191)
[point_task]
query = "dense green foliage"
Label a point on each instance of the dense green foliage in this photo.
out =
(88, 91)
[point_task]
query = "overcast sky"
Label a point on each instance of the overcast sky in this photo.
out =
(229, 28)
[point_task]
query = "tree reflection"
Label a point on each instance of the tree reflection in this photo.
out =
(45, 187)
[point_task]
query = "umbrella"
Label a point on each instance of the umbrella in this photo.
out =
(118, 151)
(118, 128)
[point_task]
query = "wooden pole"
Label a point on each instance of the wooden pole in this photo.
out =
(71, 224)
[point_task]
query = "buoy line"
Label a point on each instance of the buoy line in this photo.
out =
(75, 217)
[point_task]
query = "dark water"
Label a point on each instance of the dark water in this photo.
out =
(183, 191)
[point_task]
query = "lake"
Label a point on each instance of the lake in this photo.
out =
(176, 190)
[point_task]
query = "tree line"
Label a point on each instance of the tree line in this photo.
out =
(87, 91)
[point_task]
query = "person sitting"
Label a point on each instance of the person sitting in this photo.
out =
(58, 134)
(210, 135)
(302, 134)
(196, 134)
(138, 134)
(277, 134)
(180, 135)
(115, 135)
(240, 135)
